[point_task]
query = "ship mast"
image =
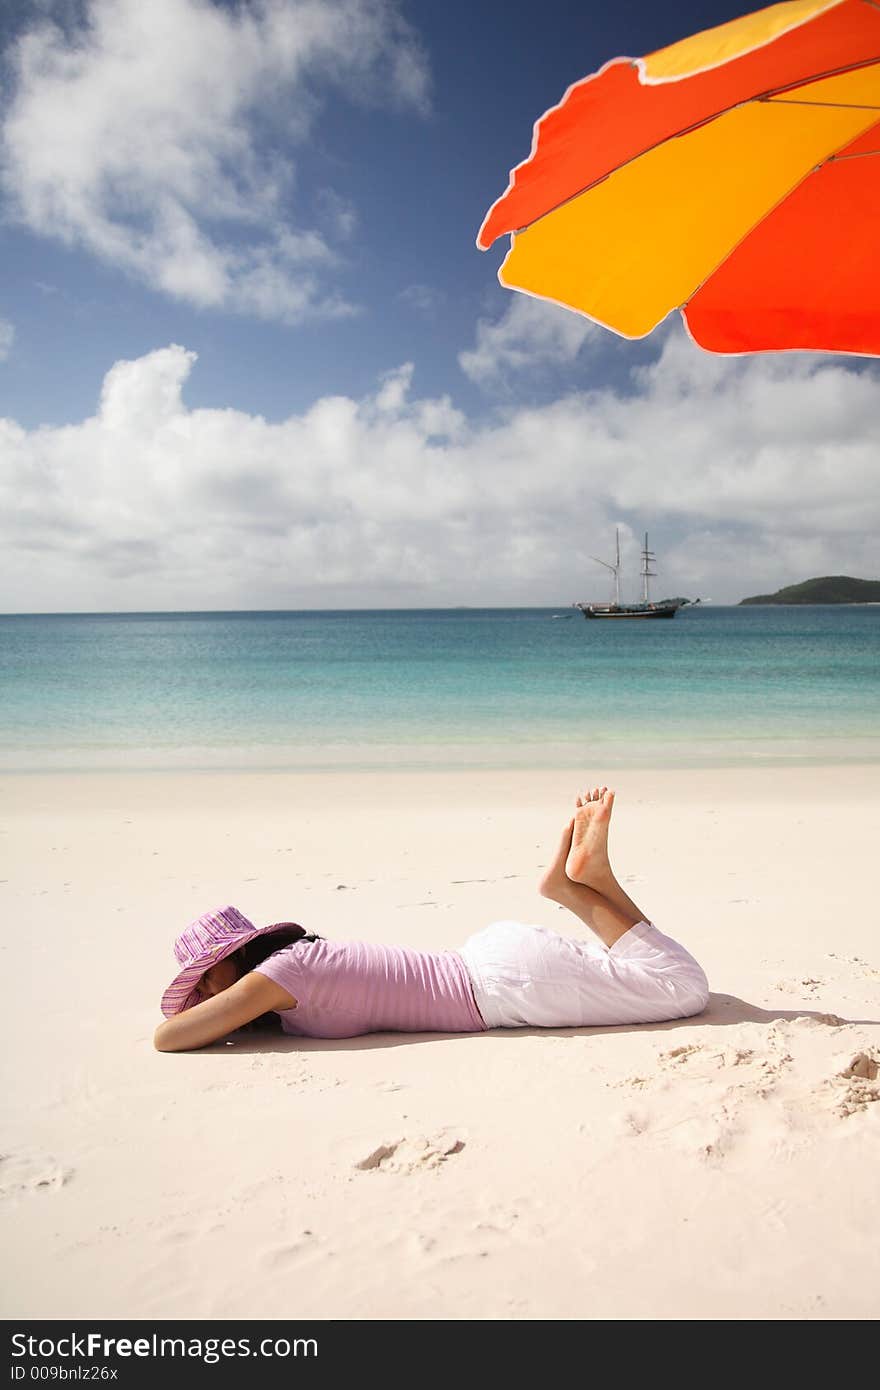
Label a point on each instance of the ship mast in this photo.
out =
(615, 568)
(648, 559)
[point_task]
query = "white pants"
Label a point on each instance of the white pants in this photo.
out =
(530, 977)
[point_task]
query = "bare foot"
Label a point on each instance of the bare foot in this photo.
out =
(587, 861)
(554, 882)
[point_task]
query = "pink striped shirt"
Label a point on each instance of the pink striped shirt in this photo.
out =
(345, 988)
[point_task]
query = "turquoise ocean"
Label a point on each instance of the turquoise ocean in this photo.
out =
(443, 688)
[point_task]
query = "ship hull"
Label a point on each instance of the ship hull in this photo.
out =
(657, 610)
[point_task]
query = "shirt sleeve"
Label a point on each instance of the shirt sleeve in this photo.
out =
(285, 969)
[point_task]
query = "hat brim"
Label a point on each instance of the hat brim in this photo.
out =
(182, 993)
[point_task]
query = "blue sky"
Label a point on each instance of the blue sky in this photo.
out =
(249, 231)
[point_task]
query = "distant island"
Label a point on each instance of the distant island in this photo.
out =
(835, 588)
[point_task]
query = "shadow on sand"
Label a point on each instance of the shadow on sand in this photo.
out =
(722, 1011)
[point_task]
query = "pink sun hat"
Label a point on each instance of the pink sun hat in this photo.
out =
(209, 939)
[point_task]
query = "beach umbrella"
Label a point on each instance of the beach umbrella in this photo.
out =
(734, 176)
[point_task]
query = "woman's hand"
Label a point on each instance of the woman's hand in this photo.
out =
(254, 994)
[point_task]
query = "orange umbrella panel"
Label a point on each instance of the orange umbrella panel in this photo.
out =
(808, 276)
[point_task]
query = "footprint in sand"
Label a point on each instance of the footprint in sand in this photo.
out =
(411, 1155)
(719, 1082)
(702, 1063)
(863, 1065)
(756, 1069)
(28, 1173)
(710, 1137)
(283, 1256)
(857, 1085)
(466, 1239)
(780, 1029)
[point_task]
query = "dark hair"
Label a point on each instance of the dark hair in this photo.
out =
(253, 953)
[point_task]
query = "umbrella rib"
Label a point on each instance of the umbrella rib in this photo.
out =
(834, 105)
(706, 120)
(862, 154)
(768, 213)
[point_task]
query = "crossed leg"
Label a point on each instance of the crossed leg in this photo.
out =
(581, 878)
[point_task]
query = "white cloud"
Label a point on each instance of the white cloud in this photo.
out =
(136, 137)
(7, 337)
(748, 474)
(337, 213)
(748, 439)
(531, 334)
(425, 299)
(395, 389)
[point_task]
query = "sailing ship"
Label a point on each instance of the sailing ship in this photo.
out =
(645, 609)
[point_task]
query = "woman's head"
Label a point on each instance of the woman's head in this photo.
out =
(225, 973)
(219, 977)
(218, 948)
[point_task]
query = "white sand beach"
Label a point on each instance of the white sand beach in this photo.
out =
(720, 1167)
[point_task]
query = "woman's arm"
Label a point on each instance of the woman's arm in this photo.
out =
(214, 1018)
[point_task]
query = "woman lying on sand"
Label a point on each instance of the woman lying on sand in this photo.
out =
(506, 976)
